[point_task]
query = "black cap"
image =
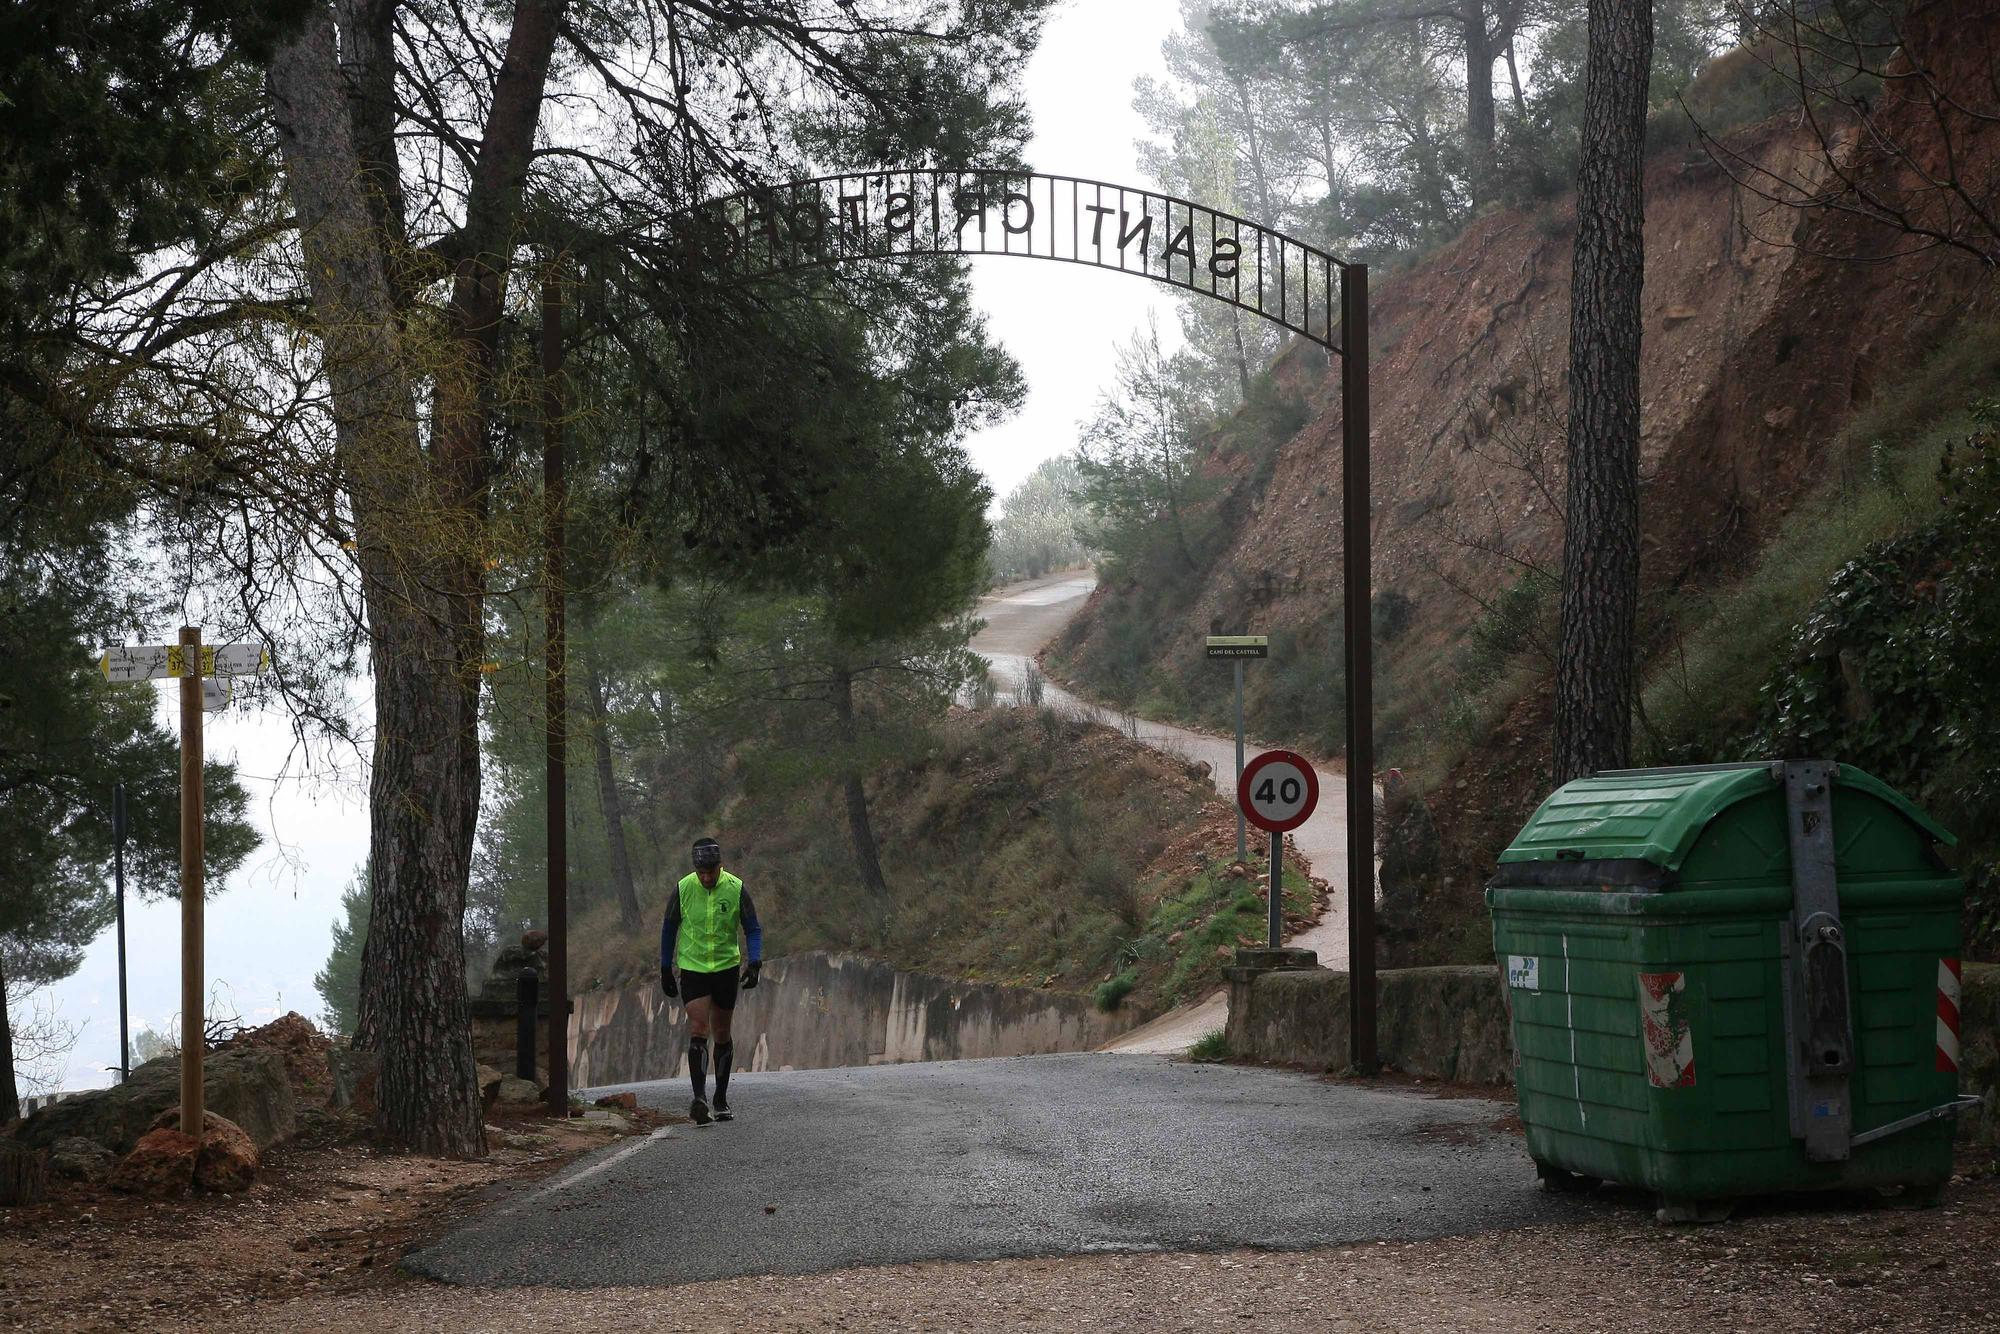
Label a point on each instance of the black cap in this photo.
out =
(707, 852)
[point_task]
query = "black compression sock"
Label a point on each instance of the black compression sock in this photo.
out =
(698, 1064)
(725, 1056)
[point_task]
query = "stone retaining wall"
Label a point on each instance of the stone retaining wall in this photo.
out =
(1451, 1024)
(1440, 1023)
(813, 1011)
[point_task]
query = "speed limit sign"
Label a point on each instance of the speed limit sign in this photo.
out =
(1278, 791)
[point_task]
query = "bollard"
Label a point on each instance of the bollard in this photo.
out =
(524, 1033)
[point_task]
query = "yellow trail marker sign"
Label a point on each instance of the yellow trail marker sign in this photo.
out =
(160, 662)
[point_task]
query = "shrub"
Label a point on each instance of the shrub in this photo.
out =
(1111, 994)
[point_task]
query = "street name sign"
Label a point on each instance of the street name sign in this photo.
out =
(160, 662)
(214, 693)
(1239, 646)
(1278, 791)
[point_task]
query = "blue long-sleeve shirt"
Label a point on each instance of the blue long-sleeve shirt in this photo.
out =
(670, 929)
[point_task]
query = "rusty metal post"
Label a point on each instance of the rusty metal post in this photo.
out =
(192, 888)
(118, 880)
(555, 495)
(525, 988)
(1358, 594)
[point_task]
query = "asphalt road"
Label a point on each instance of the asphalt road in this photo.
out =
(1045, 1155)
(1020, 619)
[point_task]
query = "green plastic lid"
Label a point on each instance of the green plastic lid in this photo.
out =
(1657, 815)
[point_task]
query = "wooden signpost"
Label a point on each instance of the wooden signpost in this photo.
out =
(202, 670)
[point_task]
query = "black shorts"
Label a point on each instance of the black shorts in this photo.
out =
(717, 987)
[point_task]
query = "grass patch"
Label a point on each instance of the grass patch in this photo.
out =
(1196, 925)
(1210, 1048)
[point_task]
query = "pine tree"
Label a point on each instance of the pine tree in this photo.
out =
(339, 983)
(1600, 584)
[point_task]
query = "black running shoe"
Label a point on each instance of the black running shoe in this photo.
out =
(699, 1111)
(722, 1112)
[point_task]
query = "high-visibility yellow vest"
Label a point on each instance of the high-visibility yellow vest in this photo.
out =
(710, 922)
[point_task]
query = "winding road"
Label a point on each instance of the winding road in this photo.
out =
(1021, 619)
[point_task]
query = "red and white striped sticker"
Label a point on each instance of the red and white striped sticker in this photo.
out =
(1949, 990)
(1663, 1023)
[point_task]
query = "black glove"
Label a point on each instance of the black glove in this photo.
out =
(667, 982)
(750, 975)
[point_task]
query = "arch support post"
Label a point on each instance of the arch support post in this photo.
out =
(1357, 594)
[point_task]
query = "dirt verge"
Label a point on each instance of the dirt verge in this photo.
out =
(329, 1218)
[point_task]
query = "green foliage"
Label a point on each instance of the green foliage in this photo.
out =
(120, 133)
(1038, 530)
(1110, 995)
(1361, 99)
(1210, 1048)
(1539, 145)
(1892, 668)
(1212, 913)
(999, 873)
(1881, 481)
(66, 737)
(1141, 472)
(1160, 554)
(339, 983)
(1392, 613)
(1866, 630)
(1515, 622)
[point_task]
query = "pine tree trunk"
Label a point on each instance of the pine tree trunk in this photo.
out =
(10, 1093)
(420, 518)
(423, 808)
(24, 1174)
(1260, 179)
(1242, 356)
(610, 799)
(1478, 97)
(860, 829)
(1600, 592)
(411, 546)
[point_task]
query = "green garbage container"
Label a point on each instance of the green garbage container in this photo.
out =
(1732, 980)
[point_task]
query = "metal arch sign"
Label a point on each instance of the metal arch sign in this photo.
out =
(1278, 791)
(904, 213)
(915, 212)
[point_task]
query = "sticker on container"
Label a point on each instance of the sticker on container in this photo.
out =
(1524, 974)
(1950, 995)
(1663, 1026)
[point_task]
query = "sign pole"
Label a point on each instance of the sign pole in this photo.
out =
(1277, 889)
(1236, 648)
(1242, 844)
(118, 879)
(1359, 598)
(1278, 792)
(192, 1025)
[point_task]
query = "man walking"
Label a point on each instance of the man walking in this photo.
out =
(699, 935)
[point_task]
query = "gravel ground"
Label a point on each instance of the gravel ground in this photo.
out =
(1807, 1267)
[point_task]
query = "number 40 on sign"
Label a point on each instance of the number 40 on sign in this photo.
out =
(1278, 791)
